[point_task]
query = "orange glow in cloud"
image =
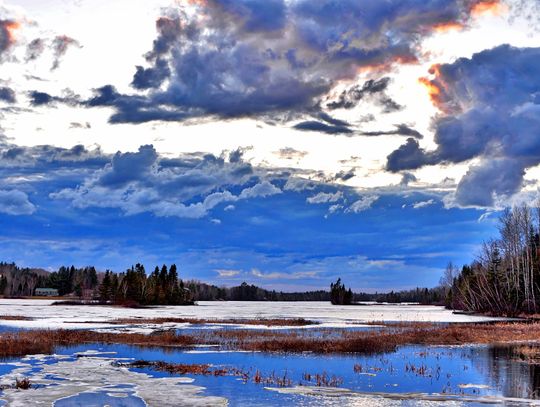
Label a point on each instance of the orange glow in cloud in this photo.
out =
(450, 26)
(199, 3)
(436, 88)
(387, 65)
(11, 27)
(493, 7)
(434, 91)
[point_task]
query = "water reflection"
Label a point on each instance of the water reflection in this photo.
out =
(467, 375)
(510, 371)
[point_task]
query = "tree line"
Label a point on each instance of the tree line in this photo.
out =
(505, 278)
(164, 286)
(161, 287)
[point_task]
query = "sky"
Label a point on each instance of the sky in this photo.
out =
(284, 143)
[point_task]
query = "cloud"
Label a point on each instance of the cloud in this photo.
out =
(349, 98)
(13, 202)
(224, 273)
(147, 78)
(289, 153)
(275, 59)
(8, 27)
(344, 175)
(362, 204)
(142, 181)
(493, 179)
(60, 46)
(283, 276)
(321, 127)
(40, 98)
(408, 156)
(34, 49)
(490, 108)
(407, 178)
(7, 95)
(323, 197)
(423, 204)
(400, 130)
(262, 190)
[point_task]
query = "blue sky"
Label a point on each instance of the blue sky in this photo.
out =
(282, 143)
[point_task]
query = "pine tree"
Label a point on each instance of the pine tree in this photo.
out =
(106, 287)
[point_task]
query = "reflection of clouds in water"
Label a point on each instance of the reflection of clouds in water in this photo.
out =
(76, 380)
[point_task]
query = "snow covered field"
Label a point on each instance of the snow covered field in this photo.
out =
(74, 316)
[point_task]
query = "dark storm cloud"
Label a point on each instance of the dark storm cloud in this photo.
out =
(40, 98)
(494, 177)
(231, 59)
(349, 98)
(7, 95)
(126, 167)
(146, 78)
(492, 111)
(400, 130)
(312, 125)
(344, 175)
(408, 156)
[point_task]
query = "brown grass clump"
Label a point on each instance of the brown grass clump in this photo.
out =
(200, 321)
(44, 341)
(322, 379)
(15, 318)
(23, 384)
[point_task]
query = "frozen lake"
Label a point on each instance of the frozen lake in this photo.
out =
(74, 316)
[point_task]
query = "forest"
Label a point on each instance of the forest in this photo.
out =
(164, 286)
(504, 279)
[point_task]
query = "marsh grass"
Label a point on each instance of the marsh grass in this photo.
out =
(15, 318)
(527, 353)
(295, 341)
(199, 321)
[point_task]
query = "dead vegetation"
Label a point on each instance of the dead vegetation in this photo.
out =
(45, 341)
(529, 354)
(318, 341)
(200, 321)
(207, 370)
(15, 318)
(20, 384)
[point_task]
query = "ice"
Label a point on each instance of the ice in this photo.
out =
(97, 375)
(356, 398)
(329, 316)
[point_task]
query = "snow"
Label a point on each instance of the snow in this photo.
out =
(330, 316)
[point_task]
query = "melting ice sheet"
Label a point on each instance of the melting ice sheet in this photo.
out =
(74, 316)
(93, 380)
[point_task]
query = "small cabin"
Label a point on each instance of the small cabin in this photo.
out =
(46, 292)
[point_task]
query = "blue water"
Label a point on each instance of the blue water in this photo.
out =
(104, 398)
(422, 369)
(410, 369)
